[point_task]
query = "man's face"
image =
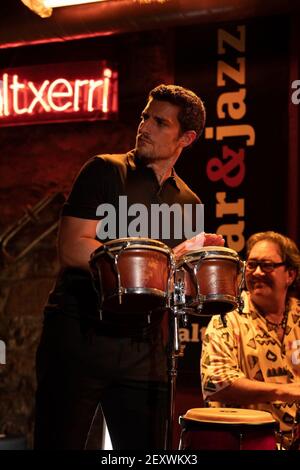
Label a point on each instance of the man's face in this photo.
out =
(267, 285)
(159, 136)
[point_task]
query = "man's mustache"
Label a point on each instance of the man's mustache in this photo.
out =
(266, 281)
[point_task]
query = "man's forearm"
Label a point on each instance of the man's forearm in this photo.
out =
(78, 255)
(246, 391)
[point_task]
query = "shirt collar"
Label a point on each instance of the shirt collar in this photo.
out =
(292, 304)
(134, 163)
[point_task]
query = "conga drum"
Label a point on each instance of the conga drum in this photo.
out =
(132, 274)
(227, 429)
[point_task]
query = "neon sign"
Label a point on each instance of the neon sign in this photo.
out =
(58, 92)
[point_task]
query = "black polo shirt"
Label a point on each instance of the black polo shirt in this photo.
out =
(105, 178)
(102, 180)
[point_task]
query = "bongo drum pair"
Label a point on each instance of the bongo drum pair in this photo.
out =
(140, 274)
(227, 429)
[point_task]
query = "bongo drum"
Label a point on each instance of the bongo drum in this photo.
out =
(132, 274)
(227, 429)
(211, 279)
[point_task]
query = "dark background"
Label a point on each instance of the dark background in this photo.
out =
(148, 48)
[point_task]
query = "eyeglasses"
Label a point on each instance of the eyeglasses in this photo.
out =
(265, 266)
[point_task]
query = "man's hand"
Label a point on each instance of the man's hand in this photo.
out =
(200, 240)
(212, 239)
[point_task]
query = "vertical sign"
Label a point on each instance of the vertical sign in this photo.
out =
(239, 166)
(231, 135)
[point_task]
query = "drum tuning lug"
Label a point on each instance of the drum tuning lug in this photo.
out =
(199, 307)
(185, 320)
(224, 321)
(179, 293)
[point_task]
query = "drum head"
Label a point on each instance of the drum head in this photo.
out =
(208, 252)
(132, 243)
(229, 416)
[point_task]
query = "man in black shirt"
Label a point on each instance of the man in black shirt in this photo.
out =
(119, 362)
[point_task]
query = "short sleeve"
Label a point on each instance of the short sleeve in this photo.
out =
(88, 191)
(219, 359)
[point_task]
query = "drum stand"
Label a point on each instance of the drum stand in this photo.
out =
(175, 312)
(172, 371)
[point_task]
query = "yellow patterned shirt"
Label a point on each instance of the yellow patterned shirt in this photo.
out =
(249, 347)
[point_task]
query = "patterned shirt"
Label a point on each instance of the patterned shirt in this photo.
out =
(249, 347)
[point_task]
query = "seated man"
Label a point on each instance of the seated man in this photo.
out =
(254, 361)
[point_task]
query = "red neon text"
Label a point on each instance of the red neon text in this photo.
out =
(58, 92)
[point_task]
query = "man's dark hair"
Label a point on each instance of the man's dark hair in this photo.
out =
(288, 249)
(192, 113)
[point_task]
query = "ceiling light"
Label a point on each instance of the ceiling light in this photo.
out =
(43, 8)
(65, 3)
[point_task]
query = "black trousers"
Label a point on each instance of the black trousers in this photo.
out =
(78, 369)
